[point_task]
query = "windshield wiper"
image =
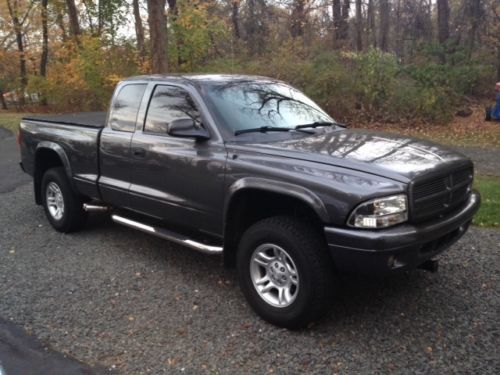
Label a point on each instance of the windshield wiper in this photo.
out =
(262, 129)
(319, 123)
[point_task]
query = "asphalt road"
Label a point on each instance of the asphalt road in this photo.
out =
(112, 297)
(21, 353)
(485, 159)
(11, 175)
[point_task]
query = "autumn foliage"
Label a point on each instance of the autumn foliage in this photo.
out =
(369, 61)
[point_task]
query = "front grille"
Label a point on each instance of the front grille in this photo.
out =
(439, 195)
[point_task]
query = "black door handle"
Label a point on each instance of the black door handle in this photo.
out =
(139, 152)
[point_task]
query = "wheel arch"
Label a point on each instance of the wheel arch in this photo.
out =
(48, 155)
(247, 198)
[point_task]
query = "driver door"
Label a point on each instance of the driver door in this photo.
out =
(178, 180)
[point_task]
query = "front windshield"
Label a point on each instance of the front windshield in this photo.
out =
(253, 104)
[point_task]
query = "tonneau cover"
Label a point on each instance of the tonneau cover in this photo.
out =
(88, 119)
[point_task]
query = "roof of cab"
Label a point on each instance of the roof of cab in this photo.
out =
(199, 78)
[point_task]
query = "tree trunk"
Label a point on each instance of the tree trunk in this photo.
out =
(427, 13)
(235, 18)
(45, 45)
(443, 15)
(88, 10)
(340, 12)
(398, 31)
(298, 19)
(13, 12)
(384, 25)
(371, 24)
(337, 21)
(2, 100)
(345, 19)
(172, 5)
(474, 11)
(100, 16)
(158, 35)
(179, 40)
(45, 40)
(498, 63)
(74, 25)
(139, 29)
(60, 23)
(251, 28)
(359, 26)
(254, 33)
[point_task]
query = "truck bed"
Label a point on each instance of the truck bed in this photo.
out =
(74, 137)
(87, 119)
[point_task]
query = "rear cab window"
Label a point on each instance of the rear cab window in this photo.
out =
(123, 115)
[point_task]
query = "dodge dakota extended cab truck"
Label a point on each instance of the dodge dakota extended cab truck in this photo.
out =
(251, 168)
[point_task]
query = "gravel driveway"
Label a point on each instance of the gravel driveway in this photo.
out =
(133, 303)
(113, 297)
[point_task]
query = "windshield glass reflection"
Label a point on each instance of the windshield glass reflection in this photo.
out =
(250, 104)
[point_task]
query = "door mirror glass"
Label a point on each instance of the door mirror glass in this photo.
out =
(186, 127)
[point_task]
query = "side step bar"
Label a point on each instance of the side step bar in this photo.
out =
(168, 235)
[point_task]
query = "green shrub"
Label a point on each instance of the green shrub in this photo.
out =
(376, 76)
(362, 87)
(368, 86)
(82, 77)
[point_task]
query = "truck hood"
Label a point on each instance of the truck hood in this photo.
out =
(401, 158)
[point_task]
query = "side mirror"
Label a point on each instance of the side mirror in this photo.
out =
(186, 128)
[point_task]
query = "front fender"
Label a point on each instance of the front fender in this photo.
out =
(285, 188)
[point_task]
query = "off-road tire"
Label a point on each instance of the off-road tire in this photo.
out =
(307, 249)
(73, 217)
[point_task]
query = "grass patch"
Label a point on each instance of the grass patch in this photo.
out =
(489, 213)
(470, 131)
(11, 120)
(487, 135)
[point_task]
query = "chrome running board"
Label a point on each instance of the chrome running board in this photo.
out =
(167, 235)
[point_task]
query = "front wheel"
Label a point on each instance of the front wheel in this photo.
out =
(285, 271)
(62, 205)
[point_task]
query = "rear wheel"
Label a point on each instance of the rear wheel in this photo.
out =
(285, 272)
(63, 207)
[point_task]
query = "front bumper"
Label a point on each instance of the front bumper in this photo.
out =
(405, 246)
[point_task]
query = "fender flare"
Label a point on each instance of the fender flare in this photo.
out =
(280, 187)
(59, 151)
(37, 178)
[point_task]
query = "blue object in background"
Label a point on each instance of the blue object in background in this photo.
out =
(495, 110)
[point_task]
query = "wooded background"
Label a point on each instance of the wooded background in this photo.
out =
(369, 60)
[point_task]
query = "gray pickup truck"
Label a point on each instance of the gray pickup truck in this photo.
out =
(250, 168)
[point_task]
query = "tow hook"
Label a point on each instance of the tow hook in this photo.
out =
(431, 265)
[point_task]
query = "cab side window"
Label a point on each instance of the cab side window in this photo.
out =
(125, 107)
(169, 103)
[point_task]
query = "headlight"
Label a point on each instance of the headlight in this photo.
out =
(380, 212)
